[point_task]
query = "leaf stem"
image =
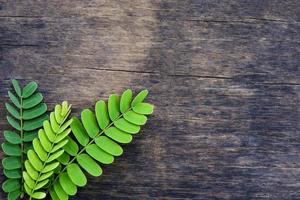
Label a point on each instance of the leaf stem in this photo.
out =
(22, 146)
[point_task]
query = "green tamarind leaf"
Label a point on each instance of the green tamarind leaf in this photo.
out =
(60, 192)
(55, 155)
(14, 99)
(48, 147)
(143, 108)
(34, 160)
(98, 154)
(125, 101)
(109, 146)
(28, 180)
(79, 132)
(41, 184)
(45, 176)
(68, 186)
(59, 145)
(35, 111)
(11, 149)
(89, 122)
(135, 118)
(76, 175)
(27, 189)
(64, 158)
(14, 194)
(65, 108)
(27, 146)
(29, 136)
(17, 87)
(89, 165)
(62, 135)
(65, 126)
(44, 140)
(139, 98)
(26, 115)
(12, 137)
(53, 194)
(11, 185)
(29, 89)
(11, 163)
(113, 107)
(32, 101)
(48, 131)
(14, 173)
(34, 124)
(118, 135)
(54, 125)
(12, 110)
(71, 147)
(30, 170)
(126, 126)
(57, 113)
(39, 195)
(38, 148)
(102, 114)
(50, 167)
(14, 123)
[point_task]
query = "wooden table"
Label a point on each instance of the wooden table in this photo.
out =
(224, 76)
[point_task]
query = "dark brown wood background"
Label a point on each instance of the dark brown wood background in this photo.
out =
(224, 76)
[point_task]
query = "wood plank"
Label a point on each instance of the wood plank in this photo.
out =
(224, 76)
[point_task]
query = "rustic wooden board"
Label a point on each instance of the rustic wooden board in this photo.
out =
(224, 76)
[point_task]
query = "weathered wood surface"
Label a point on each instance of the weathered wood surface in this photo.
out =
(224, 76)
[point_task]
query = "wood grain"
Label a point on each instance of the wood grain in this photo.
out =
(224, 76)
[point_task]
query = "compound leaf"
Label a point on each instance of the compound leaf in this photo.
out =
(97, 139)
(41, 164)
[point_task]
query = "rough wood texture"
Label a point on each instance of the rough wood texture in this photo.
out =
(224, 76)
